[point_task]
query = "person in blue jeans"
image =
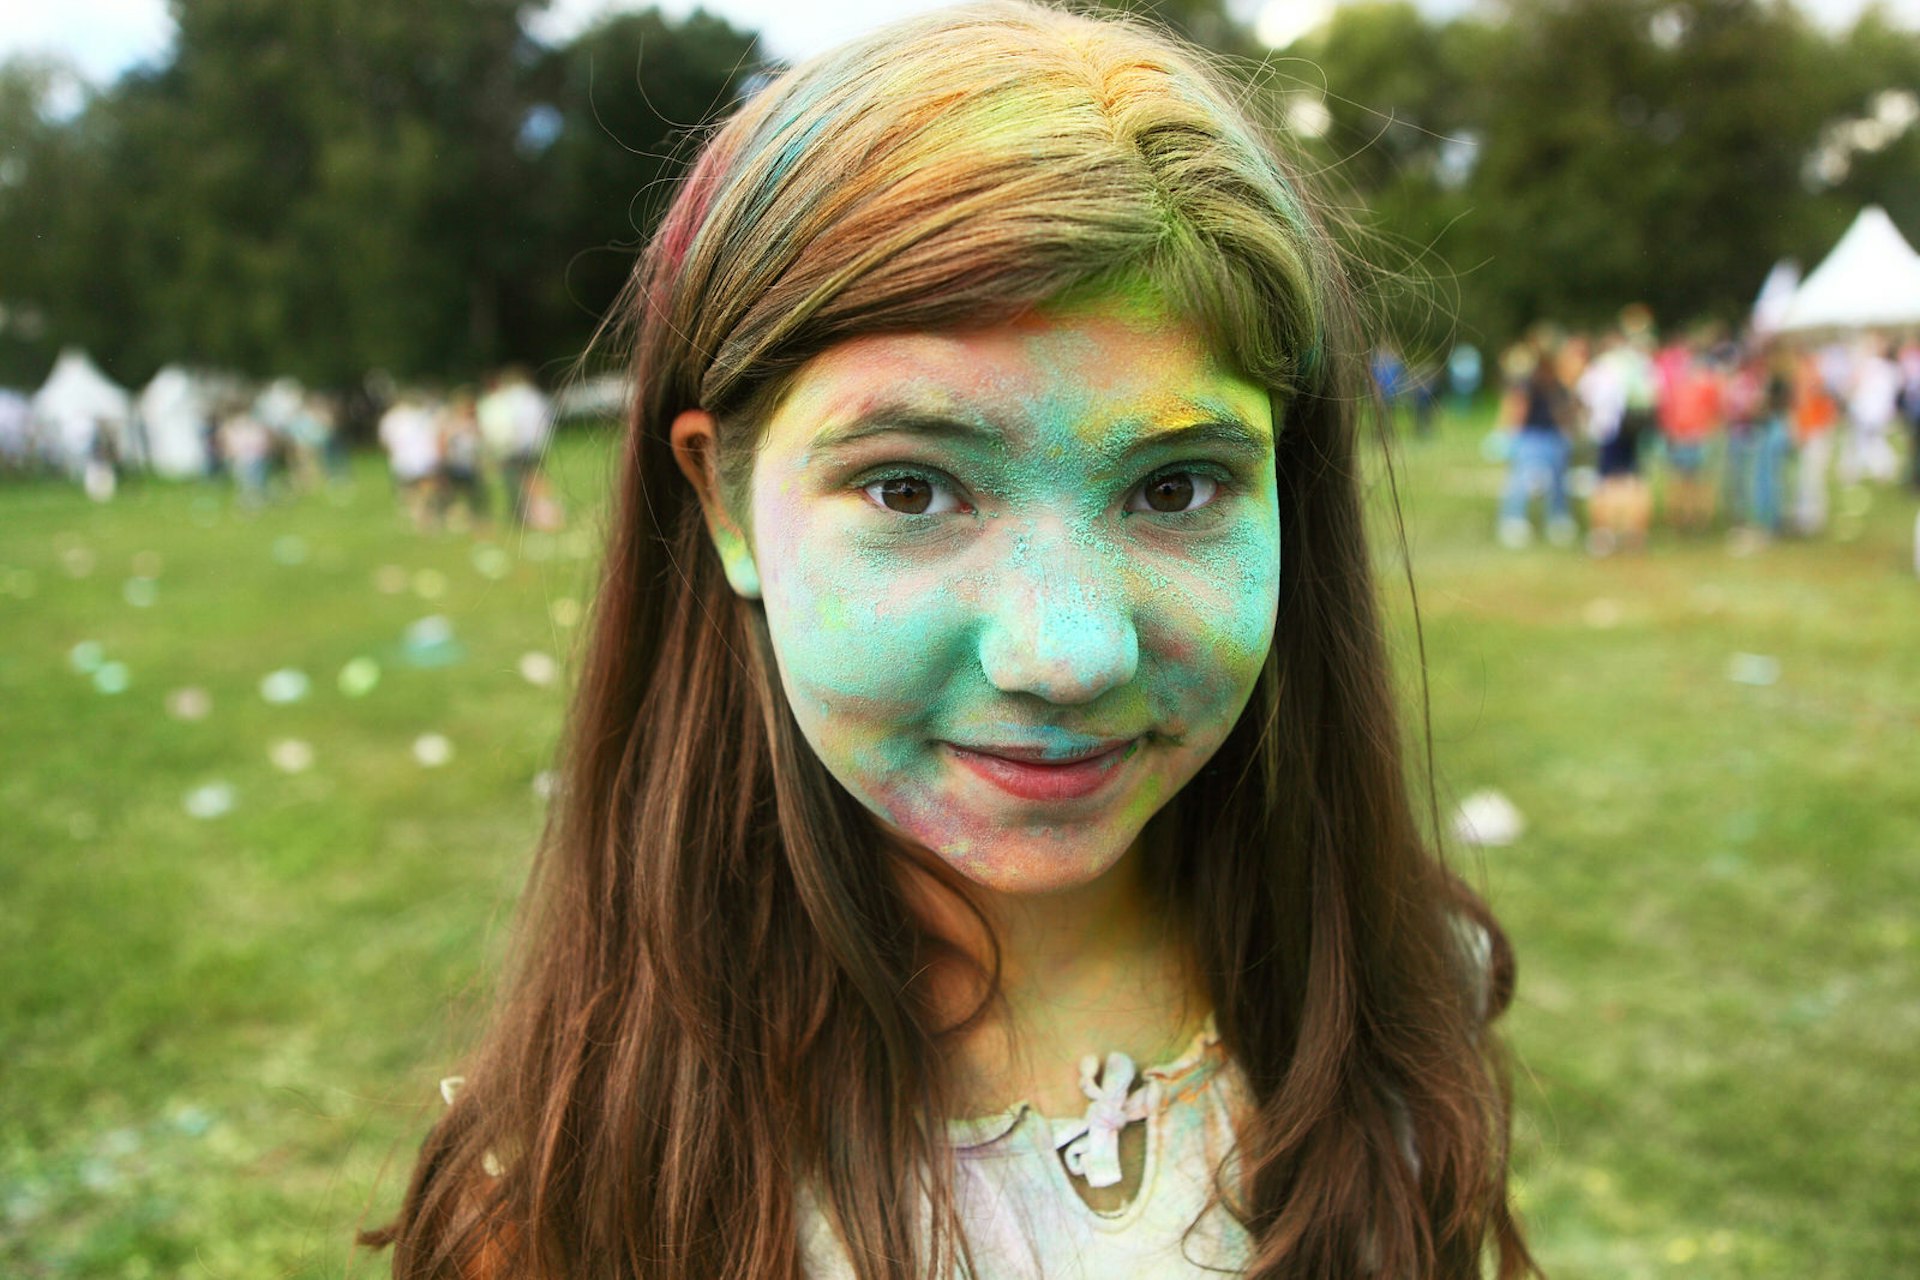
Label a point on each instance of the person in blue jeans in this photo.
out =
(1773, 448)
(1539, 412)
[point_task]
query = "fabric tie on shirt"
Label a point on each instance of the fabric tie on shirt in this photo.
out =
(1092, 1143)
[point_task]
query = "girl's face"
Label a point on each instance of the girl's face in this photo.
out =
(1021, 580)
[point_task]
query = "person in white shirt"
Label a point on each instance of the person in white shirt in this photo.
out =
(410, 433)
(516, 420)
(1873, 396)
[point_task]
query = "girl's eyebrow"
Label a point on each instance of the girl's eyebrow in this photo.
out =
(890, 419)
(1223, 429)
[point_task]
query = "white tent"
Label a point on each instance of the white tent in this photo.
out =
(1776, 295)
(1871, 280)
(174, 410)
(16, 436)
(76, 403)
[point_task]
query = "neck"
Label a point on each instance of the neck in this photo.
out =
(1096, 968)
(1053, 942)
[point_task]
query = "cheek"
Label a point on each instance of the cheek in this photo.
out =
(1211, 629)
(866, 645)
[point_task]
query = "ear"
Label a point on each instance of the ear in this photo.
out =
(694, 450)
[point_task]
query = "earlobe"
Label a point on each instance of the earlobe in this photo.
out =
(694, 442)
(736, 558)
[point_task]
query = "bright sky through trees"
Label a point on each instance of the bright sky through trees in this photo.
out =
(340, 207)
(103, 37)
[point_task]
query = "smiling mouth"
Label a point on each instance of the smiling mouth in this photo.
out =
(1032, 773)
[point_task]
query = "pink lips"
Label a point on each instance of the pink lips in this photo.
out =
(1027, 774)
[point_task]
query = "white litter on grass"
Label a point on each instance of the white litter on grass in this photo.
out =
(432, 750)
(1756, 669)
(544, 783)
(429, 642)
(429, 584)
(492, 563)
(86, 656)
(1488, 819)
(358, 677)
(112, 677)
(538, 669)
(435, 628)
(1602, 613)
(140, 592)
(284, 686)
(190, 703)
(192, 1121)
(565, 612)
(390, 580)
(290, 755)
(1709, 598)
(213, 800)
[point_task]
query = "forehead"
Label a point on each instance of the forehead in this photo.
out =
(1089, 370)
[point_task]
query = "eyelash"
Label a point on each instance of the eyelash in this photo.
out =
(1221, 480)
(937, 479)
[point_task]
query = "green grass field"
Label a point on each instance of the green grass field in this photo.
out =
(222, 1034)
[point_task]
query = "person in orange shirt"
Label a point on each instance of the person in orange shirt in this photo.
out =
(1815, 414)
(1690, 411)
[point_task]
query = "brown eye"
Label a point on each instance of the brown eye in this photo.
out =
(1170, 493)
(909, 495)
(917, 495)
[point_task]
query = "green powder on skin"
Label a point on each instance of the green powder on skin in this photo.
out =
(1049, 614)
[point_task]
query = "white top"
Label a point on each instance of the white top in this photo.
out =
(515, 419)
(412, 440)
(1024, 1220)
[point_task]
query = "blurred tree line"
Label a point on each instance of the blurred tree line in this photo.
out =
(1557, 159)
(334, 186)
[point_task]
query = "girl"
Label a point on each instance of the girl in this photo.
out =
(1536, 412)
(976, 853)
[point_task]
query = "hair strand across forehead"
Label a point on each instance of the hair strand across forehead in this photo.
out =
(989, 159)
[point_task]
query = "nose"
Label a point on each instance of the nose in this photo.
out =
(1061, 624)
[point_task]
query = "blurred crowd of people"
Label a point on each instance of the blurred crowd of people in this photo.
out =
(1747, 433)
(446, 453)
(283, 432)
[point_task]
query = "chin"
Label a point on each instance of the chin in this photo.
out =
(1039, 863)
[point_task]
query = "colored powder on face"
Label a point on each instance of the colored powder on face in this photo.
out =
(1042, 607)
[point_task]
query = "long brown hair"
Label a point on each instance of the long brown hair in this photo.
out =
(715, 1001)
